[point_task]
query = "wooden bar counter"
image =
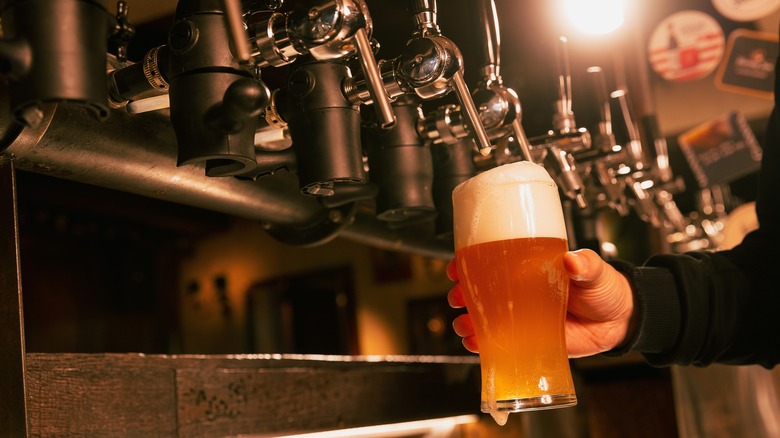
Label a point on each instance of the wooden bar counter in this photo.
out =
(88, 395)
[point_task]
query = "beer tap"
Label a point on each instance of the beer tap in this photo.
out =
(650, 196)
(452, 164)
(565, 133)
(324, 31)
(605, 136)
(633, 146)
(602, 162)
(566, 138)
(399, 162)
(499, 107)
(644, 202)
(214, 98)
(563, 120)
(429, 66)
(325, 128)
(561, 165)
(54, 51)
(432, 65)
(142, 86)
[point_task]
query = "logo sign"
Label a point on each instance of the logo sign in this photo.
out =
(745, 10)
(750, 64)
(685, 46)
(721, 150)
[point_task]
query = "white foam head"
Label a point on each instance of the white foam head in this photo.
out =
(507, 202)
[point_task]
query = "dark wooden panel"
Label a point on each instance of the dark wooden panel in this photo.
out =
(635, 401)
(86, 395)
(89, 396)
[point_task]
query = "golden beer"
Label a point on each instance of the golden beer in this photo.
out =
(510, 237)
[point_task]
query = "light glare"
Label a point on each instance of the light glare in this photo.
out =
(435, 427)
(596, 17)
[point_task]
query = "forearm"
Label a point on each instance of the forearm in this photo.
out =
(701, 308)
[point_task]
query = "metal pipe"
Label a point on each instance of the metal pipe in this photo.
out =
(137, 154)
(374, 233)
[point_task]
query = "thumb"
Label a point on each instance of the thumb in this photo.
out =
(585, 267)
(598, 291)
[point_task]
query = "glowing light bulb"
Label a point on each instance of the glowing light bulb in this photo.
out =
(595, 16)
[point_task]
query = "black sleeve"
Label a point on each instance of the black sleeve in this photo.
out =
(699, 308)
(704, 307)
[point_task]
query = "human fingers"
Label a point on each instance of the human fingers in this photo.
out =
(463, 325)
(470, 343)
(452, 270)
(465, 328)
(455, 297)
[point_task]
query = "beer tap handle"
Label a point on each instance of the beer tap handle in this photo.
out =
(491, 40)
(564, 117)
(473, 119)
(327, 31)
(235, 23)
(424, 15)
(634, 142)
(491, 69)
(654, 136)
(606, 134)
(674, 217)
(562, 166)
(376, 88)
(644, 203)
(522, 140)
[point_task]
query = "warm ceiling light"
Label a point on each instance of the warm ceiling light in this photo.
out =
(595, 16)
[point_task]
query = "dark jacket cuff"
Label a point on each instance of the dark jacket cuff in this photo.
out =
(656, 309)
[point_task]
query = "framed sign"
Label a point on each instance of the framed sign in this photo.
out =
(749, 64)
(721, 150)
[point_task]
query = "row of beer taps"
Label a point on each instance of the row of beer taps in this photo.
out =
(351, 127)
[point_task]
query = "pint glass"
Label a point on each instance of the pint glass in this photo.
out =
(510, 238)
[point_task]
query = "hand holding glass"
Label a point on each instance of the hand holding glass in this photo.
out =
(510, 238)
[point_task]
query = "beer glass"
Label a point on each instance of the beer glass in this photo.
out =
(510, 238)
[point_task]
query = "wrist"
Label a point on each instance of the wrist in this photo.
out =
(629, 319)
(654, 323)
